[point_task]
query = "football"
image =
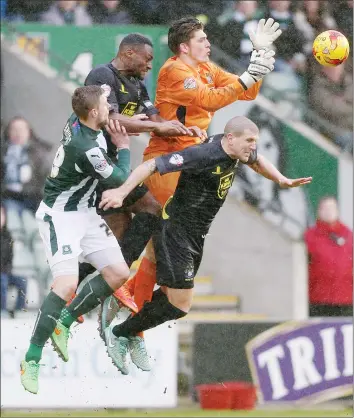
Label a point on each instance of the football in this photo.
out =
(330, 48)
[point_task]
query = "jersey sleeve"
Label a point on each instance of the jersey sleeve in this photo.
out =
(97, 164)
(223, 78)
(100, 76)
(184, 89)
(195, 158)
(147, 105)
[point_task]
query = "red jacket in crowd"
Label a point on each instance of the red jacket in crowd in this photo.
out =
(330, 249)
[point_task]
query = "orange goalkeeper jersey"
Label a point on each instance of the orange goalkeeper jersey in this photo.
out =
(192, 95)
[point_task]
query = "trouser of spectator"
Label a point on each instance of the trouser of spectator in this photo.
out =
(19, 206)
(20, 283)
(330, 310)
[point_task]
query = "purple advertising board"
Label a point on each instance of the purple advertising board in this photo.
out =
(309, 361)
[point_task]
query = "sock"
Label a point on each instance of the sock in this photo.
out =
(138, 235)
(158, 294)
(145, 280)
(89, 297)
(84, 270)
(46, 321)
(151, 315)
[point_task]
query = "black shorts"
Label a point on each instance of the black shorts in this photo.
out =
(132, 197)
(178, 256)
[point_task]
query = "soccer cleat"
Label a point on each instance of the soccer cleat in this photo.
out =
(79, 319)
(107, 312)
(59, 340)
(29, 375)
(117, 349)
(125, 298)
(138, 353)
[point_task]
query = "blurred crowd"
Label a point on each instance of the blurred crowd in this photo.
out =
(25, 162)
(327, 91)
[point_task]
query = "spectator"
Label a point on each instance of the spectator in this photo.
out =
(246, 15)
(26, 162)
(343, 14)
(109, 12)
(312, 18)
(66, 12)
(330, 248)
(7, 278)
(24, 10)
(331, 97)
(289, 46)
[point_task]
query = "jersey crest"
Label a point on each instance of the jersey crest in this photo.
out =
(225, 183)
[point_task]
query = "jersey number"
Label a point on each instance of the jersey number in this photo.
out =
(58, 161)
(106, 229)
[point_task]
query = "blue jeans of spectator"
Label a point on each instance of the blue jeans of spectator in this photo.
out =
(19, 206)
(20, 283)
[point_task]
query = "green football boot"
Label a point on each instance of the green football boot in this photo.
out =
(29, 375)
(59, 340)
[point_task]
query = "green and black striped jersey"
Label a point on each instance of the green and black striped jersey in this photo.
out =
(80, 163)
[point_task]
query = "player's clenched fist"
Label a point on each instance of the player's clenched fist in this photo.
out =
(118, 133)
(112, 199)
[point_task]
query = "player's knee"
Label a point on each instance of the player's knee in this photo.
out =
(116, 275)
(65, 286)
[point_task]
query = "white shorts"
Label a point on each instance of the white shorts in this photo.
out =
(74, 235)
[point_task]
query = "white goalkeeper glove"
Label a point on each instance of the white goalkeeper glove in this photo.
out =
(266, 33)
(261, 64)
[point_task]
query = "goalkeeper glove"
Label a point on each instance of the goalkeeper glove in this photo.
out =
(266, 33)
(261, 64)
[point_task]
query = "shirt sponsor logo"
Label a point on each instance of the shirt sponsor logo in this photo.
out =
(176, 159)
(303, 361)
(190, 83)
(129, 109)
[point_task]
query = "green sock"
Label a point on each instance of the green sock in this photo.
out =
(89, 297)
(65, 318)
(46, 321)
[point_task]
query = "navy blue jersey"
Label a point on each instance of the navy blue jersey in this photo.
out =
(207, 173)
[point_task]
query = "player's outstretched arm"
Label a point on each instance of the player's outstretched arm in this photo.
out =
(182, 89)
(266, 169)
(114, 198)
(164, 128)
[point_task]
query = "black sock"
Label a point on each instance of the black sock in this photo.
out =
(138, 235)
(84, 270)
(150, 316)
(158, 294)
(89, 297)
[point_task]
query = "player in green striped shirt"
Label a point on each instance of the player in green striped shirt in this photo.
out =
(70, 227)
